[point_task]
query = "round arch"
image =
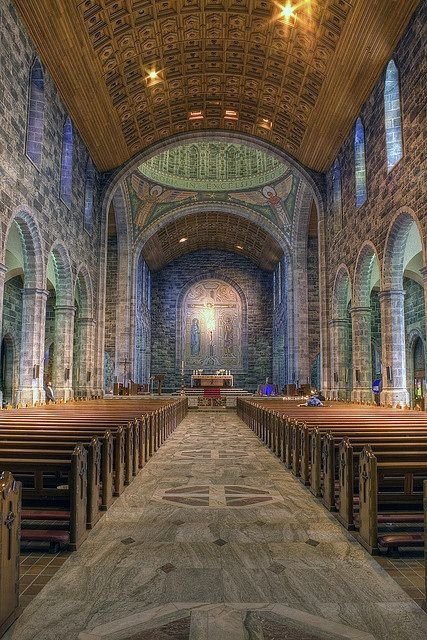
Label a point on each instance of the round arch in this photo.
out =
(34, 268)
(395, 247)
(83, 288)
(342, 292)
(63, 271)
(366, 260)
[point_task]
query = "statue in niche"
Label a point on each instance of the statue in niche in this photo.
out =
(195, 337)
(228, 337)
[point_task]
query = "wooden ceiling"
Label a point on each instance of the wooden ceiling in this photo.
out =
(308, 77)
(212, 230)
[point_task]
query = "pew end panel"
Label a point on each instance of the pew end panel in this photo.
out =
(10, 514)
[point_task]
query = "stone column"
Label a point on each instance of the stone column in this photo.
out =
(3, 271)
(86, 329)
(31, 362)
(394, 390)
(339, 335)
(63, 355)
(362, 356)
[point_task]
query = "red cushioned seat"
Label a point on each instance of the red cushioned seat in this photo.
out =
(55, 537)
(44, 514)
(402, 540)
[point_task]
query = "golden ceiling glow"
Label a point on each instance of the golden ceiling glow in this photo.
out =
(308, 74)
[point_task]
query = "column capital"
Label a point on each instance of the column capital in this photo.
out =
(35, 291)
(338, 322)
(360, 310)
(391, 293)
(86, 321)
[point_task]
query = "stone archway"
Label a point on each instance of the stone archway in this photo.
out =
(8, 370)
(404, 249)
(84, 334)
(366, 322)
(25, 258)
(60, 321)
(341, 336)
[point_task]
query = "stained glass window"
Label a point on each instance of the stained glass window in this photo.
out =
(67, 163)
(392, 116)
(360, 164)
(89, 189)
(35, 121)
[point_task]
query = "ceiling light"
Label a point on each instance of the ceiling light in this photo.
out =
(153, 77)
(239, 246)
(287, 11)
(183, 239)
(231, 114)
(265, 123)
(195, 115)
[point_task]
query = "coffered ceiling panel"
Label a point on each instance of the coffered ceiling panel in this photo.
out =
(132, 72)
(212, 230)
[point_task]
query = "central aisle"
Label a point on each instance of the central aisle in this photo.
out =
(215, 518)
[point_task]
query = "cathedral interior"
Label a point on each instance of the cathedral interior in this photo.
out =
(211, 212)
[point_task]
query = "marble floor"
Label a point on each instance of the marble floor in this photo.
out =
(215, 540)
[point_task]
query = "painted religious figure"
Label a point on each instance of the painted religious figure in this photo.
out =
(228, 337)
(195, 337)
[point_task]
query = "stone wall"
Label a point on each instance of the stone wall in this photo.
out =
(24, 186)
(389, 193)
(255, 285)
(313, 308)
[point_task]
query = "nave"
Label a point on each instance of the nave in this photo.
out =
(214, 518)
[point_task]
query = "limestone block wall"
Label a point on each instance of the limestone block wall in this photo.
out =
(256, 287)
(23, 186)
(313, 306)
(389, 193)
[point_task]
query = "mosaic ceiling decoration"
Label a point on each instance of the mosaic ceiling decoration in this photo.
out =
(213, 166)
(276, 201)
(133, 72)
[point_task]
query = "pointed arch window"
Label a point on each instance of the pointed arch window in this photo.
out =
(360, 163)
(67, 163)
(35, 117)
(89, 191)
(337, 195)
(392, 116)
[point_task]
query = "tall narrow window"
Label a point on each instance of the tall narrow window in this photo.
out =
(35, 118)
(392, 116)
(67, 163)
(279, 283)
(337, 196)
(89, 189)
(360, 164)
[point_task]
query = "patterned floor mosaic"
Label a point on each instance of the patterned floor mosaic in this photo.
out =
(215, 540)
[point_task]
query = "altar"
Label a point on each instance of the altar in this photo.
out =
(212, 380)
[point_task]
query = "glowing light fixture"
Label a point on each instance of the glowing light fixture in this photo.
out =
(231, 114)
(239, 246)
(183, 240)
(287, 11)
(195, 115)
(265, 123)
(153, 77)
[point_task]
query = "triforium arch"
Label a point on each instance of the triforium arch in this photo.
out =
(366, 323)
(59, 321)
(403, 289)
(84, 334)
(341, 335)
(24, 227)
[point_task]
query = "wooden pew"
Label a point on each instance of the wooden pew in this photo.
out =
(369, 469)
(10, 501)
(37, 469)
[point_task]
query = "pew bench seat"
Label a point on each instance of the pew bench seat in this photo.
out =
(45, 514)
(391, 542)
(55, 537)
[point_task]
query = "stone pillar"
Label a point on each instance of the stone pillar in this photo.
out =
(63, 355)
(394, 390)
(339, 336)
(31, 362)
(3, 271)
(86, 329)
(362, 356)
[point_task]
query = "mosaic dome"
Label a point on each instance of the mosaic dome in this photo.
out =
(213, 166)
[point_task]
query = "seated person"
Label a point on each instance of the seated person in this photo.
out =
(314, 401)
